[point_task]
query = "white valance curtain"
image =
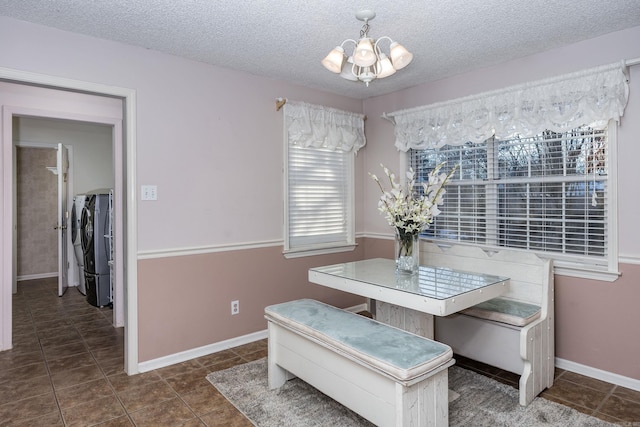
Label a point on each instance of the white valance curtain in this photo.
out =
(589, 97)
(316, 126)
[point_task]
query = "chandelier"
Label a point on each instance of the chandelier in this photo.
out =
(367, 61)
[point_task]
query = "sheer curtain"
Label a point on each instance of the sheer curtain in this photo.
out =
(317, 126)
(592, 97)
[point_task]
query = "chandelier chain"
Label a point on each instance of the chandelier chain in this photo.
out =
(364, 32)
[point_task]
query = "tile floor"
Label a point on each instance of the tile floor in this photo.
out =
(66, 369)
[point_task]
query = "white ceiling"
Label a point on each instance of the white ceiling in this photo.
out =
(287, 39)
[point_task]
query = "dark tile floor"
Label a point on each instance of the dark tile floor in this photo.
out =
(66, 369)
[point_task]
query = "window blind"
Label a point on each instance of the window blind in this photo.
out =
(547, 193)
(319, 197)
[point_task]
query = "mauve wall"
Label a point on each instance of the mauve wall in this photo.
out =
(596, 321)
(212, 141)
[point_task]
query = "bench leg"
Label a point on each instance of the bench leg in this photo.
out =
(425, 403)
(277, 375)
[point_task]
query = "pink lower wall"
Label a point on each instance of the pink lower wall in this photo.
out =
(184, 302)
(597, 322)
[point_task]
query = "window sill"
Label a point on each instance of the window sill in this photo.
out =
(303, 252)
(584, 272)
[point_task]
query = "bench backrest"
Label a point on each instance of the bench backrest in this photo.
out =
(531, 278)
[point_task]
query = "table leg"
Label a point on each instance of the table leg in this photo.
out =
(417, 322)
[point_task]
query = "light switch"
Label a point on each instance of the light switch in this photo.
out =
(149, 192)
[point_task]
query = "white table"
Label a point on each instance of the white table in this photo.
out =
(410, 302)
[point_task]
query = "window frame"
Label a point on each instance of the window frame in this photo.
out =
(564, 265)
(318, 248)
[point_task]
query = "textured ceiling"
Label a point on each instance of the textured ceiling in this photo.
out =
(287, 39)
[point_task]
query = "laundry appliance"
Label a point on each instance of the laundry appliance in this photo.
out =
(96, 246)
(76, 239)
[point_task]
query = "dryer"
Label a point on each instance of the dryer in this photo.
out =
(96, 235)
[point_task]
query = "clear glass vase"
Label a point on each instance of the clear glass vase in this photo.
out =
(407, 252)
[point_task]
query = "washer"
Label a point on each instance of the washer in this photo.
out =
(76, 238)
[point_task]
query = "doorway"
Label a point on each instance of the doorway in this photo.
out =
(90, 166)
(43, 104)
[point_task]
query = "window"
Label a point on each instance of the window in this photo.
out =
(550, 193)
(320, 147)
(320, 199)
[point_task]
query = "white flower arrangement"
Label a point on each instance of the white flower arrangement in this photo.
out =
(408, 213)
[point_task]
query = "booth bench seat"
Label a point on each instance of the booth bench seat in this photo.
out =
(389, 376)
(514, 332)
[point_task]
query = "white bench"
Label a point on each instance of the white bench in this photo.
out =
(389, 376)
(514, 332)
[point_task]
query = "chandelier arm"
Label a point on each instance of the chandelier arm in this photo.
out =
(384, 38)
(355, 43)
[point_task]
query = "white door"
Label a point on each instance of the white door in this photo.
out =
(63, 219)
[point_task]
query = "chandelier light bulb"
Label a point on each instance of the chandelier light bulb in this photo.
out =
(400, 57)
(333, 61)
(347, 70)
(385, 67)
(364, 55)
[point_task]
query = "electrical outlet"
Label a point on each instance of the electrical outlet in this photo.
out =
(235, 307)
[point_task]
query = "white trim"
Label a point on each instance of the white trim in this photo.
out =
(599, 374)
(194, 353)
(183, 356)
(129, 187)
(27, 144)
(381, 236)
(36, 276)
(299, 253)
(585, 273)
(629, 260)
(198, 250)
(612, 202)
(358, 308)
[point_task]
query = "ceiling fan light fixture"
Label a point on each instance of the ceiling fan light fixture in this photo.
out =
(366, 61)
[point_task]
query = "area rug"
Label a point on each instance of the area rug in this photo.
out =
(480, 401)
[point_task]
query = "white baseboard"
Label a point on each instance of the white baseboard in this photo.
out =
(358, 308)
(183, 356)
(598, 374)
(36, 276)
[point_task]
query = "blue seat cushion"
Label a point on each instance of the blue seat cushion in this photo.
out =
(399, 353)
(504, 310)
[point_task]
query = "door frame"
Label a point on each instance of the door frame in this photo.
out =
(125, 166)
